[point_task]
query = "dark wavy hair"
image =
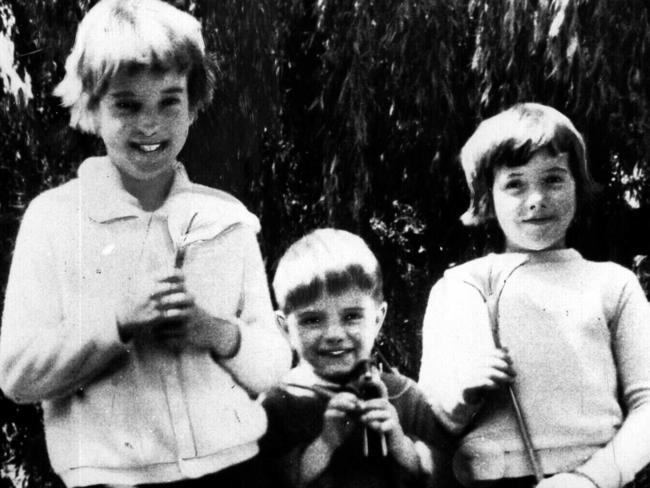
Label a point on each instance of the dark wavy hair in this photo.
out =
(510, 139)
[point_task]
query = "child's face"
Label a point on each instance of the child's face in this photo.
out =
(334, 332)
(143, 120)
(535, 203)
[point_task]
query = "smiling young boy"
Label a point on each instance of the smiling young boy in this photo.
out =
(329, 287)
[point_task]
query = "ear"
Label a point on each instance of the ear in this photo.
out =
(91, 122)
(381, 314)
(194, 113)
(288, 325)
(281, 320)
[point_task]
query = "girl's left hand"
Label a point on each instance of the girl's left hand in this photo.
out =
(199, 331)
(161, 303)
(566, 480)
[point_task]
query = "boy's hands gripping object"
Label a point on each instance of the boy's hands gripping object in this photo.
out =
(382, 430)
(374, 410)
(364, 400)
(351, 405)
(338, 419)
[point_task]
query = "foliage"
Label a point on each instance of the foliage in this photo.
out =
(351, 114)
(377, 98)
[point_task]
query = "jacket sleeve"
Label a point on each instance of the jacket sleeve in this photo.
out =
(264, 356)
(456, 329)
(628, 452)
(44, 352)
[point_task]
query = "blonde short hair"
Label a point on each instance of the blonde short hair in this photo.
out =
(132, 35)
(326, 261)
(510, 139)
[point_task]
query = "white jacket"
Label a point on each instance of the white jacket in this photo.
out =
(135, 413)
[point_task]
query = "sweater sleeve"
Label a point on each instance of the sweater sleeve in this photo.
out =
(432, 442)
(629, 451)
(456, 329)
(264, 355)
(45, 353)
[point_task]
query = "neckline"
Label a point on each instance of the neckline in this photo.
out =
(105, 197)
(548, 255)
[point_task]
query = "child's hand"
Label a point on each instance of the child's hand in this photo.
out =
(165, 313)
(380, 415)
(338, 423)
(486, 372)
(202, 331)
(155, 310)
(566, 480)
(339, 419)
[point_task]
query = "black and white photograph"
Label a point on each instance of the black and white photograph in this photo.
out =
(324, 244)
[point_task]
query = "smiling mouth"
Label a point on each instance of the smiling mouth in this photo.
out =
(538, 220)
(334, 352)
(149, 148)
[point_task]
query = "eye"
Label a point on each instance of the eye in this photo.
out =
(554, 179)
(513, 185)
(353, 317)
(127, 106)
(170, 101)
(310, 321)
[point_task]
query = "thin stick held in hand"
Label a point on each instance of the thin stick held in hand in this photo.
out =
(180, 252)
(492, 302)
(525, 436)
(366, 447)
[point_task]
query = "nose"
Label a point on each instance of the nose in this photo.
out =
(536, 199)
(148, 123)
(334, 331)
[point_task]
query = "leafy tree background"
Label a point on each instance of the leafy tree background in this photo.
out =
(352, 114)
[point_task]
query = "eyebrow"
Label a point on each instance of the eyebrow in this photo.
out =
(173, 90)
(553, 169)
(128, 93)
(557, 169)
(352, 308)
(306, 313)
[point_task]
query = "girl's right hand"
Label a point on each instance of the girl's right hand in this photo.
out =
(339, 419)
(486, 372)
(155, 309)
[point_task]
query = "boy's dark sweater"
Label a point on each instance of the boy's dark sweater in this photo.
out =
(296, 419)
